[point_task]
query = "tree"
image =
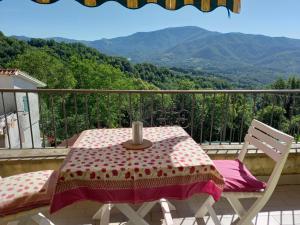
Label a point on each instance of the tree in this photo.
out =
(41, 65)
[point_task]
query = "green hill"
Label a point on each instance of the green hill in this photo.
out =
(236, 56)
(74, 65)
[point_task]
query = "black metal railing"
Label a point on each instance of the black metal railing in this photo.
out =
(47, 118)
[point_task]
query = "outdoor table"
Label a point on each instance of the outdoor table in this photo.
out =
(99, 168)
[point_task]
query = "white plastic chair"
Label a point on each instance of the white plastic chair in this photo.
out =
(276, 145)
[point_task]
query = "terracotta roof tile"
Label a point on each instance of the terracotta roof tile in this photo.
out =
(8, 72)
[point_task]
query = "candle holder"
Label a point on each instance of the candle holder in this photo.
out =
(137, 142)
(137, 133)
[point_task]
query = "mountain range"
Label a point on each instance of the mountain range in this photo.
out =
(234, 55)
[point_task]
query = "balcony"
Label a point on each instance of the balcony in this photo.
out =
(38, 126)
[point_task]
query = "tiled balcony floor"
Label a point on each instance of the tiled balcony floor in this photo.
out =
(282, 209)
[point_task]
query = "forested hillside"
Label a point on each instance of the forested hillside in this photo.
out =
(235, 55)
(74, 65)
(242, 58)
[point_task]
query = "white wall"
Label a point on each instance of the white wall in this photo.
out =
(13, 135)
(9, 99)
(33, 99)
(6, 82)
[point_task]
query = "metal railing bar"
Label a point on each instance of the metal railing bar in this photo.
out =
(109, 111)
(283, 103)
(289, 113)
(172, 112)
(6, 123)
(48, 117)
(226, 116)
(193, 114)
(272, 111)
(42, 120)
(152, 111)
(130, 109)
(297, 135)
(119, 110)
(202, 117)
(97, 111)
(254, 106)
(30, 122)
(163, 108)
(87, 118)
(222, 118)
(212, 117)
(243, 115)
(76, 113)
(141, 100)
(18, 121)
(65, 120)
(232, 119)
(53, 121)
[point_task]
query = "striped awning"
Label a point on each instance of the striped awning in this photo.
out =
(203, 5)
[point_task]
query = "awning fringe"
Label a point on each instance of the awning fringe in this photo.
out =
(203, 5)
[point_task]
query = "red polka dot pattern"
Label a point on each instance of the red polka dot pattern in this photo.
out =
(99, 155)
(26, 191)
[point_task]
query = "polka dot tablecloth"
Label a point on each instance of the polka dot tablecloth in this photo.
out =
(99, 168)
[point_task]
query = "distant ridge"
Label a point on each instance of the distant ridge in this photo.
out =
(232, 54)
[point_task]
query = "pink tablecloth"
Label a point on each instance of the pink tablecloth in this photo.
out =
(98, 168)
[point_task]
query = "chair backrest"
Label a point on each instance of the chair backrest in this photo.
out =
(272, 142)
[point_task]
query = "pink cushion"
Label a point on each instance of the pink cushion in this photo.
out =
(237, 177)
(26, 191)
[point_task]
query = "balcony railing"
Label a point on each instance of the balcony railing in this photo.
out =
(52, 118)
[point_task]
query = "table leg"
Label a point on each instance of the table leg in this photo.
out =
(135, 217)
(131, 214)
(103, 214)
(143, 210)
(207, 208)
(165, 205)
(166, 211)
(172, 207)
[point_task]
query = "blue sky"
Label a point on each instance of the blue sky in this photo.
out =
(69, 19)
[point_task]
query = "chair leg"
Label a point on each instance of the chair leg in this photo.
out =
(238, 207)
(252, 212)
